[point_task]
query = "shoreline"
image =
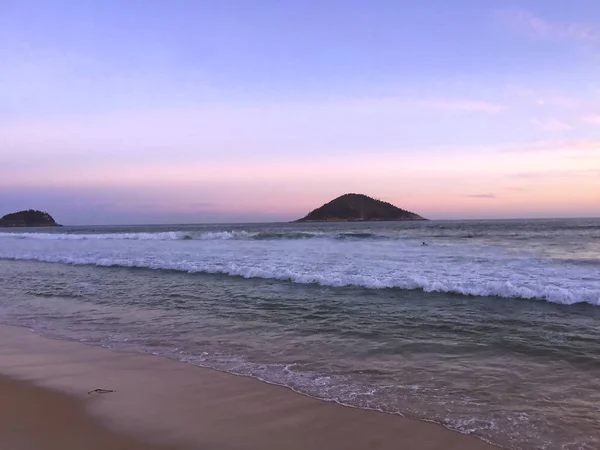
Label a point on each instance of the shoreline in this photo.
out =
(161, 402)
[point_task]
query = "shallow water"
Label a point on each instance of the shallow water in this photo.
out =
(491, 328)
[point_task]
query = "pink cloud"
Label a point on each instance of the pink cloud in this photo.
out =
(527, 21)
(481, 196)
(594, 120)
(562, 101)
(461, 105)
(572, 145)
(551, 125)
(443, 104)
(560, 173)
(516, 188)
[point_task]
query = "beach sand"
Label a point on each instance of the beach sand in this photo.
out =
(36, 418)
(158, 404)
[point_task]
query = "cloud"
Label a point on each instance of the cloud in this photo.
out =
(521, 20)
(592, 156)
(562, 101)
(568, 145)
(559, 173)
(221, 129)
(401, 104)
(516, 188)
(551, 124)
(460, 105)
(492, 196)
(594, 120)
(203, 205)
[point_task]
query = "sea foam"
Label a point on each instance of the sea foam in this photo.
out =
(382, 259)
(439, 282)
(169, 235)
(181, 235)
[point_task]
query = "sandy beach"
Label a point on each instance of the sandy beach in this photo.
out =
(35, 418)
(158, 404)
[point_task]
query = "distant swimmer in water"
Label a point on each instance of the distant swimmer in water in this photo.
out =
(424, 243)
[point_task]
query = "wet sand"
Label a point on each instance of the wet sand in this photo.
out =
(159, 404)
(36, 418)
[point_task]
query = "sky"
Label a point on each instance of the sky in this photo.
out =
(155, 111)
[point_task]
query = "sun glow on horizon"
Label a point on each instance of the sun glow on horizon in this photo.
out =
(83, 129)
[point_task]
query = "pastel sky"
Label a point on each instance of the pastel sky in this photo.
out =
(155, 111)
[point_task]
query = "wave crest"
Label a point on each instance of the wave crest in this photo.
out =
(181, 235)
(505, 289)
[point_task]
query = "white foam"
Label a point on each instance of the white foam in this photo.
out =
(168, 235)
(142, 236)
(374, 265)
(224, 235)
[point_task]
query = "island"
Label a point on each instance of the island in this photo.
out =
(28, 218)
(358, 207)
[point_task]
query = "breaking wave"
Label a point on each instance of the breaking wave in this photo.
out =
(163, 236)
(181, 235)
(540, 290)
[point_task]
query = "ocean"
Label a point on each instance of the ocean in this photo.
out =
(490, 328)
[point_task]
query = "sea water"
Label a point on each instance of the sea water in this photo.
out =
(490, 328)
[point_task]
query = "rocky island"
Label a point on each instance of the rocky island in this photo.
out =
(358, 207)
(28, 218)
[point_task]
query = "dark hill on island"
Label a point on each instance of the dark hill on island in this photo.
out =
(358, 207)
(29, 218)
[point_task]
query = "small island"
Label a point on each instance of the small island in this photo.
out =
(28, 218)
(358, 207)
